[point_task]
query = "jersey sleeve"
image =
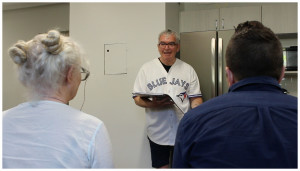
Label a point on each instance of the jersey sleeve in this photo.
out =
(140, 82)
(194, 88)
(100, 149)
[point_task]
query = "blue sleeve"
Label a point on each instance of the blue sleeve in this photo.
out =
(179, 157)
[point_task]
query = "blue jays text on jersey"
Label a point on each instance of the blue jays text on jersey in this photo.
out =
(163, 81)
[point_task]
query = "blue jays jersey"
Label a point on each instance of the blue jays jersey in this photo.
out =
(180, 83)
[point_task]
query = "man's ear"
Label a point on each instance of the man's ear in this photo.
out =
(230, 77)
(282, 74)
(178, 48)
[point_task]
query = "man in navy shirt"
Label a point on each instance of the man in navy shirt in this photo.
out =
(254, 125)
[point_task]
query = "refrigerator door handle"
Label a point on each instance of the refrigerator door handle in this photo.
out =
(220, 66)
(213, 61)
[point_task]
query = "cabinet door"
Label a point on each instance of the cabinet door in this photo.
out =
(190, 21)
(212, 19)
(281, 18)
(231, 17)
(201, 20)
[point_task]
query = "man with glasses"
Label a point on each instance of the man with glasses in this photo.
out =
(166, 75)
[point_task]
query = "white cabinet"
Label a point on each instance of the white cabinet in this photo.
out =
(217, 19)
(201, 20)
(212, 18)
(281, 18)
(190, 21)
(232, 16)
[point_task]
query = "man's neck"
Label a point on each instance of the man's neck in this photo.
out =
(167, 62)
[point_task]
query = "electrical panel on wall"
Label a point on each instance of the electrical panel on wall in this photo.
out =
(115, 62)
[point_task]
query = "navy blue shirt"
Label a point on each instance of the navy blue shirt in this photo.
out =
(254, 125)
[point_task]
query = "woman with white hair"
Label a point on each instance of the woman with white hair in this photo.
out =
(45, 132)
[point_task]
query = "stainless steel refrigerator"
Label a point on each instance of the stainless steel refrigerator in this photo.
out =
(205, 52)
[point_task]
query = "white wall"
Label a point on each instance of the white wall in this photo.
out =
(172, 16)
(23, 24)
(109, 96)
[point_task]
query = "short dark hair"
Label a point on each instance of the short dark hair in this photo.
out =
(254, 50)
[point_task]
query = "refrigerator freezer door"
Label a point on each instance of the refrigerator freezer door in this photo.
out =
(196, 49)
(220, 66)
(225, 36)
(213, 67)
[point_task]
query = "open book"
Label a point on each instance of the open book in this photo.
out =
(158, 96)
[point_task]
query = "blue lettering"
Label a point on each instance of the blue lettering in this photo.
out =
(157, 82)
(164, 80)
(153, 84)
(150, 86)
(161, 81)
(186, 86)
(177, 82)
(172, 83)
(182, 83)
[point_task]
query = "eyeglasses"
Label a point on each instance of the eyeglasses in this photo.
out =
(163, 44)
(84, 74)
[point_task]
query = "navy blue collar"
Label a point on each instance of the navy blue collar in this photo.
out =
(261, 83)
